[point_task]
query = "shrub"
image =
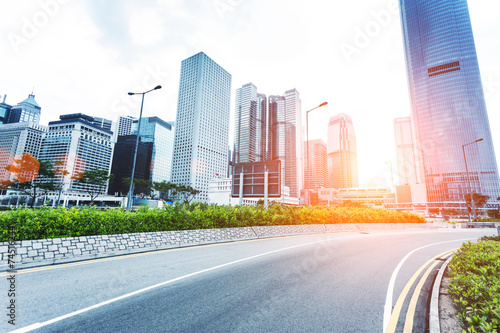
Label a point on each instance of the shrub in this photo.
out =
(47, 222)
(475, 285)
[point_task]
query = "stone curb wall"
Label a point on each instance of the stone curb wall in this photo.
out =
(41, 252)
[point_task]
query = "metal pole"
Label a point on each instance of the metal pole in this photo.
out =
(131, 188)
(241, 189)
(308, 173)
(266, 189)
(468, 180)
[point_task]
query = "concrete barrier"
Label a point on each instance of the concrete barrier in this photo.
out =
(41, 252)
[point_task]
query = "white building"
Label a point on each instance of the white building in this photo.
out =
(80, 144)
(219, 192)
(17, 139)
(405, 151)
(124, 125)
(202, 124)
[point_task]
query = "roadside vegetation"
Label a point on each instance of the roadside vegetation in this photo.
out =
(475, 284)
(47, 222)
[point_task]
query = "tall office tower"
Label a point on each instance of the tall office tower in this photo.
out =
(342, 153)
(121, 167)
(80, 144)
(202, 124)
(17, 139)
(27, 110)
(250, 125)
(4, 111)
(161, 134)
(446, 94)
(405, 151)
(125, 125)
(316, 176)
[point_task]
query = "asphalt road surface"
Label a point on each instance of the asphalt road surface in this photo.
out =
(345, 282)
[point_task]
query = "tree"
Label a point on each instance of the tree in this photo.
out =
(479, 199)
(186, 192)
(93, 181)
(26, 169)
(165, 188)
(140, 185)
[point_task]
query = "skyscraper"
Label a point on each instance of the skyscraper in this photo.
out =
(317, 174)
(250, 125)
(342, 153)
(202, 124)
(4, 111)
(17, 139)
(80, 144)
(27, 110)
(405, 151)
(124, 126)
(447, 100)
(270, 129)
(161, 134)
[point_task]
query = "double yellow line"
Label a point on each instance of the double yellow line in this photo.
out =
(410, 314)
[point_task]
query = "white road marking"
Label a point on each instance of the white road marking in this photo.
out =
(392, 281)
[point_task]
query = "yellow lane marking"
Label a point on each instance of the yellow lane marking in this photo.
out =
(391, 327)
(410, 314)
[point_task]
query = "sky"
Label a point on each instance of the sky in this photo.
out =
(84, 56)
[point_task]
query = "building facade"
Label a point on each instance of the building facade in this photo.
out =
(27, 110)
(80, 145)
(124, 126)
(405, 151)
(161, 135)
(316, 176)
(17, 139)
(342, 156)
(447, 100)
(4, 110)
(202, 124)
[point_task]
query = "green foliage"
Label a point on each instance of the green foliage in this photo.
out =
(479, 199)
(475, 285)
(61, 222)
(93, 181)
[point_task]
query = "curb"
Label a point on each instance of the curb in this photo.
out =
(434, 326)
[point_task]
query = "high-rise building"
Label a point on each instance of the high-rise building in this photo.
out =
(125, 125)
(161, 134)
(447, 100)
(79, 144)
(121, 167)
(250, 125)
(202, 124)
(342, 153)
(17, 139)
(316, 176)
(294, 171)
(27, 110)
(103, 123)
(405, 151)
(4, 111)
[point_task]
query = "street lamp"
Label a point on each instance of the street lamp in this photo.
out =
(307, 153)
(393, 188)
(468, 179)
(131, 188)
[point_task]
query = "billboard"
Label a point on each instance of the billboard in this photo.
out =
(254, 179)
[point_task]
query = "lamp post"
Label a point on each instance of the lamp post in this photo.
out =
(393, 188)
(307, 153)
(131, 188)
(468, 180)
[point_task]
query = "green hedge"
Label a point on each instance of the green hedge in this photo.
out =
(54, 223)
(475, 285)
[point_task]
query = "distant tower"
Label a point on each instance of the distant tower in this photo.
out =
(405, 151)
(27, 110)
(447, 100)
(202, 124)
(250, 125)
(125, 125)
(342, 153)
(317, 175)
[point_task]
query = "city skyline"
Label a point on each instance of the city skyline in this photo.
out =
(81, 60)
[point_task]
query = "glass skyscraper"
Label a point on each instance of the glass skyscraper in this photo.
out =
(202, 124)
(342, 155)
(448, 107)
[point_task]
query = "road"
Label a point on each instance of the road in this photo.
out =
(345, 282)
